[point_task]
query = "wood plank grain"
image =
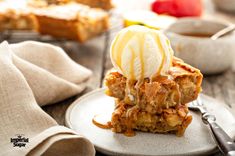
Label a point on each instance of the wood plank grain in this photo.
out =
(207, 87)
(223, 87)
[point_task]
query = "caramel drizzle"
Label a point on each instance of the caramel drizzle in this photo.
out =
(119, 49)
(171, 51)
(127, 90)
(132, 74)
(158, 41)
(141, 46)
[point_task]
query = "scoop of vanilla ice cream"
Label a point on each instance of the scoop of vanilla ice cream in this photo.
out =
(139, 52)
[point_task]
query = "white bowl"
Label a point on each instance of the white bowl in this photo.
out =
(225, 5)
(203, 53)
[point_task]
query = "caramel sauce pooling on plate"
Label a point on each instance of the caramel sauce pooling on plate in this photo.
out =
(100, 121)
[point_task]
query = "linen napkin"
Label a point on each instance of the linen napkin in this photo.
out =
(33, 73)
(50, 73)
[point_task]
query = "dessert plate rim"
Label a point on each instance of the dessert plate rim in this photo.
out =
(127, 153)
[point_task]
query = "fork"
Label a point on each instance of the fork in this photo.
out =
(224, 142)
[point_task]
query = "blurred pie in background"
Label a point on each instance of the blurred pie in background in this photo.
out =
(71, 21)
(104, 4)
(58, 18)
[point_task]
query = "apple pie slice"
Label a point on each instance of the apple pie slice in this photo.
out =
(159, 106)
(180, 86)
(127, 118)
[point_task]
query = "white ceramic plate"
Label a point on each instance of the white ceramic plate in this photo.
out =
(196, 140)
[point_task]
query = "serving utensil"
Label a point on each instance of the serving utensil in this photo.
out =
(223, 32)
(224, 142)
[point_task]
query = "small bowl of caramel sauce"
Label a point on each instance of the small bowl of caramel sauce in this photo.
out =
(191, 40)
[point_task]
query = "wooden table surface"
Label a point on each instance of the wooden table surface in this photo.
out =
(94, 55)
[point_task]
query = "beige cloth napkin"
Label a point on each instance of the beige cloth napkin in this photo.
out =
(50, 73)
(33, 73)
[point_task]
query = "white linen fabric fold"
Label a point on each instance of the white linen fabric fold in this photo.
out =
(33, 74)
